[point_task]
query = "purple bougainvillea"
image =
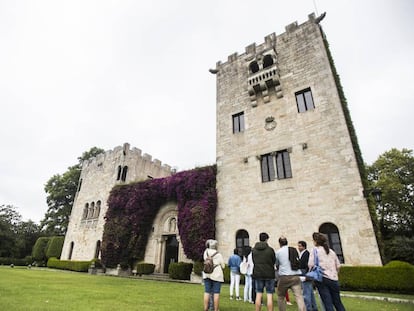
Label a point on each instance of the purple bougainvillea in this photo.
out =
(132, 209)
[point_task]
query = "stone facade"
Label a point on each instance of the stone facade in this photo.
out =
(285, 161)
(99, 175)
(258, 120)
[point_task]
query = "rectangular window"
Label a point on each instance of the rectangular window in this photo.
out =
(282, 168)
(283, 165)
(304, 100)
(268, 167)
(238, 122)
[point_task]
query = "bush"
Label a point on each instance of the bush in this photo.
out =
(394, 277)
(72, 265)
(398, 264)
(16, 261)
(145, 268)
(54, 247)
(399, 248)
(96, 262)
(180, 270)
(198, 267)
(39, 250)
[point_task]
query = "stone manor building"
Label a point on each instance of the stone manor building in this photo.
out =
(288, 161)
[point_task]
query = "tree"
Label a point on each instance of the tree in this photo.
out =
(27, 234)
(393, 173)
(16, 236)
(61, 191)
(9, 218)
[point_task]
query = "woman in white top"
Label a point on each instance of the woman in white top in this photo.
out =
(213, 280)
(329, 262)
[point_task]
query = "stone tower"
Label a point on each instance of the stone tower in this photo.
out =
(285, 159)
(99, 175)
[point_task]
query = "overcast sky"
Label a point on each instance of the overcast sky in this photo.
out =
(78, 74)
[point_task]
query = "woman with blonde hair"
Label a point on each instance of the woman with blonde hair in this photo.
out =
(328, 260)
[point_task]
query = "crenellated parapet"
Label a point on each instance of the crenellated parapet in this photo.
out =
(123, 155)
(259, 66)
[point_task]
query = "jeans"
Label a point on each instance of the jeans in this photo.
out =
(329, 292)
(248, 288)
(308, 296)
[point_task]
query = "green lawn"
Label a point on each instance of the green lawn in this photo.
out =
(35, 289)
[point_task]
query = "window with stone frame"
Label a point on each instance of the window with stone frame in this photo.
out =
(332, 233)
(242, 242)
(304, 100)
(238, 122)
(275, 165)
(124, 173)
(283, 167)
(118, 176)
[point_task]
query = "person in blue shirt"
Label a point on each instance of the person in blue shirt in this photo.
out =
(234, 265)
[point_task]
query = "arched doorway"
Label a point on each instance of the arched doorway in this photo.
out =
(171, 251)
(97, 249)
(242, 241)
(332, 233)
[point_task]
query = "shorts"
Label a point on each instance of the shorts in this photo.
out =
(268, 284)
(211, 286)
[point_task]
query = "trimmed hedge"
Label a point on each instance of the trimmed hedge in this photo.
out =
(54, 247)
(39, 250)
(72, 265)
(198, 267)
(16, 261)
(180, 270)
(145, 268)
(395, 276)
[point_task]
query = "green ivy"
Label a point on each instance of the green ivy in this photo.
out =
(354, 141)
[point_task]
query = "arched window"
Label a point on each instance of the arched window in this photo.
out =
(97, 249)
(97, 210)
(332, 233)
(85, 211)
(118, 176)
(254, 67)
(72, 245)
(267, 61)
(91, 210)
(242, 241)
(124, 173)
(80, 185)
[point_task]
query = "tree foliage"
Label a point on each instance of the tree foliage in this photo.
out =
(61, 191)
(393, 173)
(16, 236)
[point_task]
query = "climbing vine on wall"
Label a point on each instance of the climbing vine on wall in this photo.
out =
(354, 141)
(132, 209)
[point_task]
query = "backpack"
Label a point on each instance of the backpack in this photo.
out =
(208, 265)
(294, 258)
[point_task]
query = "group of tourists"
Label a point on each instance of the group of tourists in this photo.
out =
(266, 270)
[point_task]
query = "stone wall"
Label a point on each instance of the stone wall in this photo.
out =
(99, 175)
(325, 186)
